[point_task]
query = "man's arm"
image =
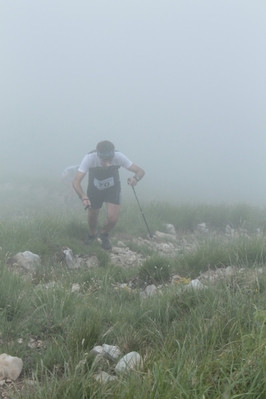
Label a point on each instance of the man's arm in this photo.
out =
(139, 173)
(78, 188)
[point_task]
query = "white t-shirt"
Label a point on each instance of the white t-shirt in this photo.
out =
(92, 160)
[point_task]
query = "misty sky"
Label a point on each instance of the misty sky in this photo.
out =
(179, 86)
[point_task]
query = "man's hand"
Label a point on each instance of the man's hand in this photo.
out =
(86, 203)
(132, 181)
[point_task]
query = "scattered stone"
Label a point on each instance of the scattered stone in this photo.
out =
(124, 257)
(97, 350)
(118, 250)
(170, 228)
(10, 367)
(165, 236)
(229, 270)
(50, 285)
(202, 227)
(75, 287)
(35, 343)
(92, 262)
(164, 247)
(229, 231)
(112, 351)
(196, 284)
(150, 290)
(123, 285)
(121, 244)
(131, 361)
(27, 260)
(71, 261)
(104, 377)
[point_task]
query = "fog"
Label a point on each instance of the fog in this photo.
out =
(178, 86)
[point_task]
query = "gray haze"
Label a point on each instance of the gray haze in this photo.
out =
(179, 86)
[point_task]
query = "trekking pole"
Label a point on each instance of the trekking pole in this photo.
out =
(151, 236)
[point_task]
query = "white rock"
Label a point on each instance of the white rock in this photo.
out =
(70, 259)
(27, 260)
(229, 270)
(202, 227)
(131, 361)
(164, 247)
(112, 351)
(170, 237)
(229, 231)
(118, 250)
(75, 287)
(97, 350)
(150, 290)
(196, 284)
(123, 285)
(50, 285)
(170, 228)
(131, 259)
(104, 377)
(92, 262)
(10, 367)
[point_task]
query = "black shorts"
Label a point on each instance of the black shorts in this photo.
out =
(98, 197)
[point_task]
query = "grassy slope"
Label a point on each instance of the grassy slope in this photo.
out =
(195, 343)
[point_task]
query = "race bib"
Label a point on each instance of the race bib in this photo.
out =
(103, 184)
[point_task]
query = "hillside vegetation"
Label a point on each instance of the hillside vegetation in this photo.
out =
(194, 342)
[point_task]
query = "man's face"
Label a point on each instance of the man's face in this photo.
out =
(106, 162)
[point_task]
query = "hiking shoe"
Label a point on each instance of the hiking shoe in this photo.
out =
(90, 239)
(105, 241)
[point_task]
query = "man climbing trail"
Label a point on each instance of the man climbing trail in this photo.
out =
(104, 185)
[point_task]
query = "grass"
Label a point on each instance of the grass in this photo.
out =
(195, 343)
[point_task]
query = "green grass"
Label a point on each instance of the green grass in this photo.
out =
(206, 343)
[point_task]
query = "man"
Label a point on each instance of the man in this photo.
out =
(104, 186)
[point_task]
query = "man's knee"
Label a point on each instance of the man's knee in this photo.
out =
(93, 213)
(113, 218)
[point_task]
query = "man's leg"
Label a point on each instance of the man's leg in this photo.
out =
(93, 215)
(113, 212)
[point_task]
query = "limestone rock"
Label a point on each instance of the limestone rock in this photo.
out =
(75, 287)
(10, 367)
(131, 361)
(150, 290)
(104, 377)
(112, 351)
(166, 236)
(196, 284)
(27, 260)
(170, 228)
(202, 227)
(71, 261)
(92, 262)
(97, 350)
